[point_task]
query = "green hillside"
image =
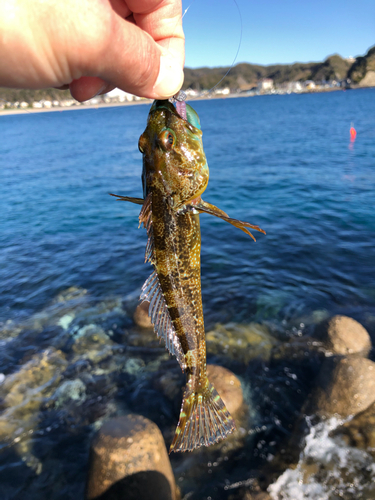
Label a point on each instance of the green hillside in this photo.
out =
(362, 65)
(243, 76)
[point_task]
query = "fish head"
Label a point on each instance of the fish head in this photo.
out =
(173, 158)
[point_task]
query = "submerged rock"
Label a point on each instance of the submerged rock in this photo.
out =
(141, 317)
(241, 342)
(342, 335)
(345, 386)
(227, 385)
(71, 293)
(129, 460)
(70, 390)
(92, 343)
(24, 392)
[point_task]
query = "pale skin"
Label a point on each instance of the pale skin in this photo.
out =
(93, 46)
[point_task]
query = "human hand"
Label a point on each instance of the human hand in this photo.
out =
(93, 46)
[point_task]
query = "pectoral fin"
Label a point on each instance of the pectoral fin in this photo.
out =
(207, 208)
(137, 201)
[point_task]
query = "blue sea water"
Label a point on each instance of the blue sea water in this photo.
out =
(283, 162)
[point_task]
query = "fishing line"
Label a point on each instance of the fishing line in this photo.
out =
(181, 96)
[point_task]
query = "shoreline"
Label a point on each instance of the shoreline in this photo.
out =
(18, 111)
(26, 111)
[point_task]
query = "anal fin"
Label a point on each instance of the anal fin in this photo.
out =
(160, 317)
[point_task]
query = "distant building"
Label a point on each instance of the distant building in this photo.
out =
(117, 95)
(191, 92)
(309, 85)
(265, 85)
(289, 87)
(225, 91)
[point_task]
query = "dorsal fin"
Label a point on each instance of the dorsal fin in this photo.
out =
(160, 317)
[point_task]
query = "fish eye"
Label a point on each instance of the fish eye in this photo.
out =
(167, 139)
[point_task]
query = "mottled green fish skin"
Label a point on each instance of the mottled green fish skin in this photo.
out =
(175, 174)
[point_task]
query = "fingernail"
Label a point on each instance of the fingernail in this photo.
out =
(170, 79)
(102, 88)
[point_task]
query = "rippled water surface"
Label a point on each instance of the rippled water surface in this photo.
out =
(283, 162)
(72, 264)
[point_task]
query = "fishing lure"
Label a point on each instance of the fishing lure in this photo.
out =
(175, 174)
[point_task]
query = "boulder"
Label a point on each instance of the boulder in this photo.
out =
(141, 317)
(345, 386)
(342, 335)
(227, 385)
(129, 460)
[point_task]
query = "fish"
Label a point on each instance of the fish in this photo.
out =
(174, 176)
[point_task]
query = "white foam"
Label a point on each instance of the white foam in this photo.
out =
(330, 455)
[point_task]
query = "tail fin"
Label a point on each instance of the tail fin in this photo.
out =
(204, 420)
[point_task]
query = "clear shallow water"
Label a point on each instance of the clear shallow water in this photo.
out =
(283, 162)
(67, 362)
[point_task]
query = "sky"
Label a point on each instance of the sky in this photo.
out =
(276, 31)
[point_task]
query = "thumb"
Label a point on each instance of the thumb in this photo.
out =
(134, 62)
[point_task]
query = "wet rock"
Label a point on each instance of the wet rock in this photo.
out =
(326, 469)
(299, 349)
(359, 432)
(345, 386)
(26, 390)
(342, 335)
(227, 385)
(143, 337)
(129, 460)
(170, 384)
(9, 329)
(70, 390)
(241, 342)
(92, 343)
(71, 293)
(141, 317)
(244, 493)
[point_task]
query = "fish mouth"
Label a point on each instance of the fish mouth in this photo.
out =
(185, 113)
(164, 105)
